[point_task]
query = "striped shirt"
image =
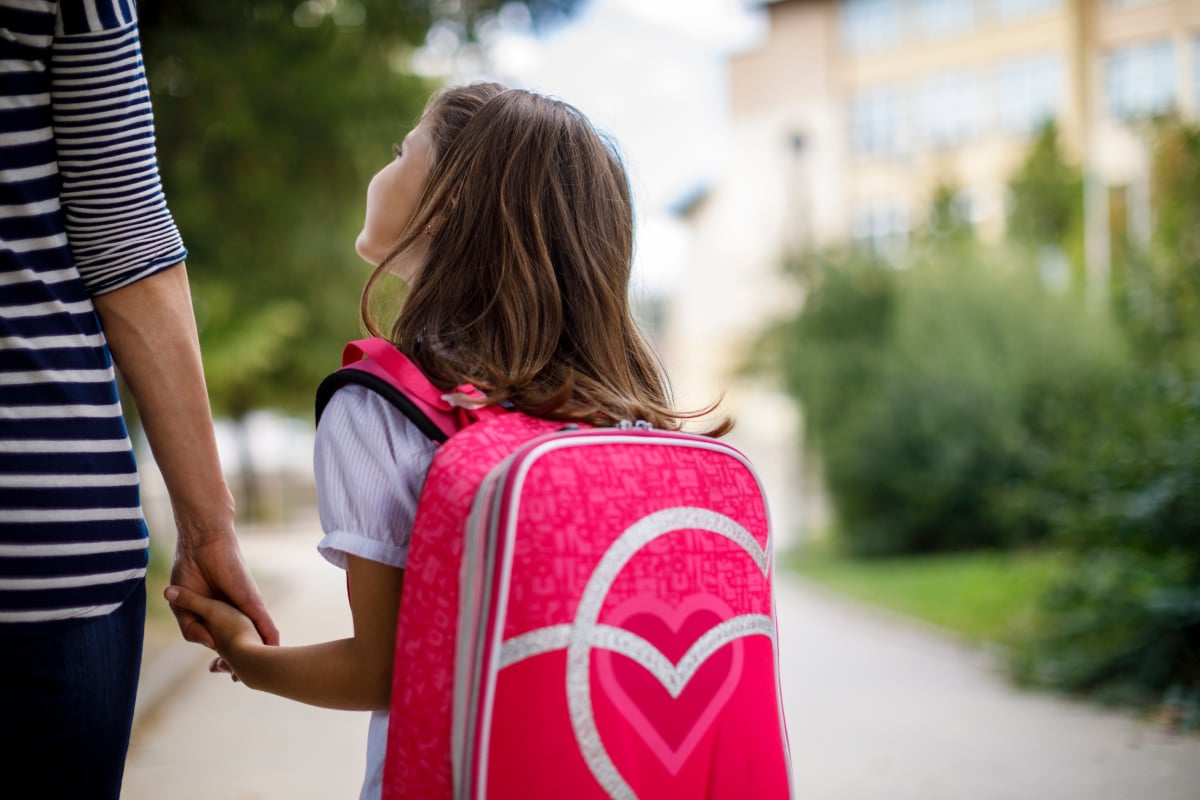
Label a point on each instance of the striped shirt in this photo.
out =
(81, 213)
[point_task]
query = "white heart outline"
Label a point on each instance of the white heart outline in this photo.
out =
(585, 632)
(672, 679)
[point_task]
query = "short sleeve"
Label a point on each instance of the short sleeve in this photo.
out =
(370, 462)
(118, 225)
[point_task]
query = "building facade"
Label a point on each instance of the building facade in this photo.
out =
(852, 113)
(895, 97)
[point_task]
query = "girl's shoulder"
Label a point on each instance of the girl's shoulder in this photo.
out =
(359, 419)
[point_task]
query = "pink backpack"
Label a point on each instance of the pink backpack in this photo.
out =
(587, 613)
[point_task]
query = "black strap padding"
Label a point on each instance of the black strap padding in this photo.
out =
(385, 390)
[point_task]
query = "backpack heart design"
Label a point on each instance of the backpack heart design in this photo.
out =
(586, 612)
(670, 719)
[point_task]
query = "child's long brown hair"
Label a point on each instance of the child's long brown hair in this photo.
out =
(524, 292)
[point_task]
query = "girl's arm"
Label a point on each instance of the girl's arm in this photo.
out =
(352, 674)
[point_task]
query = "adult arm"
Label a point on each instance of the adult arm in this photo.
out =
(129, 255)
(369, 462)
(353, 674)
(151, 332)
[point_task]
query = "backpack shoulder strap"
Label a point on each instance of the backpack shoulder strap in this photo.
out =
(379, 366)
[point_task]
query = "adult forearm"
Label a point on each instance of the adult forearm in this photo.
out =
(151, 332)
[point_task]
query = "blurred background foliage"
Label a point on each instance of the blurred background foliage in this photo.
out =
(271, 118)
(961, 397)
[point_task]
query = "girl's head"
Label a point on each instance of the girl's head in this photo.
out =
(510, 218)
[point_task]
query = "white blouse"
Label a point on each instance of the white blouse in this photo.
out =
(370, 462)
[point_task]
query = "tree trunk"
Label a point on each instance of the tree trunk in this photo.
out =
(248, 502)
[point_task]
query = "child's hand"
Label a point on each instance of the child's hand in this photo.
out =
(232, 630)
(219, 665)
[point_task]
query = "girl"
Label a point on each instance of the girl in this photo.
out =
(510, 219)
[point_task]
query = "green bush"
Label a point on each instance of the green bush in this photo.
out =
(932, 392)
(957, 404)
(1124, 624)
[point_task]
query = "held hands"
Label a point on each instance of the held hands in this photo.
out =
(214, 568)
(231, 631)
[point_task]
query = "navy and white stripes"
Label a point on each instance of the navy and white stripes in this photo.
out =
(117, 219)
(81, 213)
(93, 15)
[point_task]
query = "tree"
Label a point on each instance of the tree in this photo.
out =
(934, 393)
(1045, 215)
(1160, 301)
(271, 117)
(1046, 194)
(1124, 622)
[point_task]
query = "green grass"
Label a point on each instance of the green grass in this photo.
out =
(989, 597)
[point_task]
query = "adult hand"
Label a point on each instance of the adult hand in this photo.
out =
(231, 630)
(214, 568)
(151, 332)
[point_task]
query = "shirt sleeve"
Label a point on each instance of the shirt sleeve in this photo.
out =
(118, 225)
(370, 462)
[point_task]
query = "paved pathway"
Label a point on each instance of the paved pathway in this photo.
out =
(877, 710)
(212, 739)
(884, 710)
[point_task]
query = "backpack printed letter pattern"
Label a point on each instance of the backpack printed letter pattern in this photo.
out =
(586, 613)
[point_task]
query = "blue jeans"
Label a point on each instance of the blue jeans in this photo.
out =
(66, 702)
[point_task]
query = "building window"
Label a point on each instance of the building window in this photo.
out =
(1028, 92)
(945, 17)
(1140, 80)
(870, 24)
(949, 109)
(1012, 10)
(880, 228)
(877, 122)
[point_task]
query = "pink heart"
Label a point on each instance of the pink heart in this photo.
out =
(671, 727)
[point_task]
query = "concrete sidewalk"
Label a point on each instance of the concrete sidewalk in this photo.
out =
(877, 710)
(207, 738)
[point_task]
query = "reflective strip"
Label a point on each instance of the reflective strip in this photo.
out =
(673, 677)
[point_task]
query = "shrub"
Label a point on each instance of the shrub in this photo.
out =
(1124, 623)
(957, 404)
(931, 392)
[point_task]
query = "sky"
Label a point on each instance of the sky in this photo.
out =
(651, 73)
